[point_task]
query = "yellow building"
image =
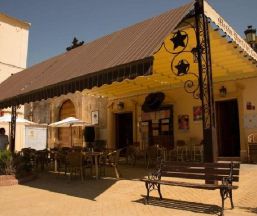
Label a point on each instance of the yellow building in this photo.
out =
(13, 58)
(113, 81)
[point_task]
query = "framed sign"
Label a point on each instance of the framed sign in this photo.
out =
(94, 117)
(197, 113)
(183, 122)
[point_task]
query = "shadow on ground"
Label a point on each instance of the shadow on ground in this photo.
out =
(249, 209)
(90, 188)
(183, 205)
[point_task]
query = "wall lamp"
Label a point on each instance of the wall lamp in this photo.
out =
(120, 105)
(223, 91)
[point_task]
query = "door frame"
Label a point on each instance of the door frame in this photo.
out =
(239, 124)
(115, 126)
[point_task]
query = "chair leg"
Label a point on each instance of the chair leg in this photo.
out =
(82, 174)
(116, 172)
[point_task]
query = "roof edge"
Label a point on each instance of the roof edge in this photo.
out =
(228, 30)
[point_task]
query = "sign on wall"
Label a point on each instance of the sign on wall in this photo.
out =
(35, 137)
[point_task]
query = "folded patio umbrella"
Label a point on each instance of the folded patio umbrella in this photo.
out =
(69, 122)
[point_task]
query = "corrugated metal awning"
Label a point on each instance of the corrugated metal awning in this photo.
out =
(125, 54)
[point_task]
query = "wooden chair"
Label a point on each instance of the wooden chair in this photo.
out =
(153, 155)
(111, 159)
(198, 151)
(131, 155)
(30, 155)
(42, 158)
(74, 164)
(77, 148)
(182, 150)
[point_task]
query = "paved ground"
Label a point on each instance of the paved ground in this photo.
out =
(52, 195)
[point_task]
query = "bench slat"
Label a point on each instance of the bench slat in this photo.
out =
(195, 164)
(199, 170)
(197, 176)
(190, 185)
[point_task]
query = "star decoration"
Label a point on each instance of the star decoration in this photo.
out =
(179, 39)
(183, 67)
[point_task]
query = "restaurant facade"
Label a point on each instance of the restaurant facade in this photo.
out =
(141, 86)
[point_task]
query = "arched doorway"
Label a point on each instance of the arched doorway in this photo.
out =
(64, 134)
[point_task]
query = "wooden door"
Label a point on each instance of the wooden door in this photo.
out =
(64, 134)
(228, 133)
(124, 129)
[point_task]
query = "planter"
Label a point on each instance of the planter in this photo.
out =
(8, 180)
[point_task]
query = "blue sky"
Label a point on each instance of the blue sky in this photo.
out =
(54, 23)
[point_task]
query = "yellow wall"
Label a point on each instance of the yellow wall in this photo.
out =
(242, 90)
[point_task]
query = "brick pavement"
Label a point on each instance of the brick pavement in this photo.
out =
(51, 195)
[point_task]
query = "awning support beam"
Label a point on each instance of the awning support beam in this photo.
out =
(13, 129)
(205, 82)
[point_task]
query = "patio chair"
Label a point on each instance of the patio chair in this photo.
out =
(131, 155)
(30, 155)
(42, 159)
(198, 151)
(111, 159)
(182, 150)
(74, 164)
(60, 158)
(77, 148)
(153, 155)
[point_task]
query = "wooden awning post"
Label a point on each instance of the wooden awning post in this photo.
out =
(13, 129)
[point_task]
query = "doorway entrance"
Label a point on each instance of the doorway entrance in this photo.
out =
(124, 129)
(228, 133)
(67, 110)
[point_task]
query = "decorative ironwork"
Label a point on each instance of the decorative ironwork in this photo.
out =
(204, 65)
(179, 39)
(13, 128)
(180, 66)
(75, 44)
(226, 189)
(154, 184)
(200, 83)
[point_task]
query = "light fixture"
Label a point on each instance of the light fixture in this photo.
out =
(250, 34)
(223, 91)
(120, 105)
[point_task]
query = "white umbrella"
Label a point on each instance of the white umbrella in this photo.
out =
(8, 119)
(68, 122)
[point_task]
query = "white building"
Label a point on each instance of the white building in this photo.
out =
(14, 35)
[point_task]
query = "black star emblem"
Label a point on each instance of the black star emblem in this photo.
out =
(178, 39)
(183, 67)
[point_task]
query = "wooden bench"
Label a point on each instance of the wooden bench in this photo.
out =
(217, 175)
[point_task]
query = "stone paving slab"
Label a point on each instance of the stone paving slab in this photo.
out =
(52, 195)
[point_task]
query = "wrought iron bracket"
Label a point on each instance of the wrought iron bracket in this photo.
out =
(199, 83)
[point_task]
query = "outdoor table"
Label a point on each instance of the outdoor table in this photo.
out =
(96, 156)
